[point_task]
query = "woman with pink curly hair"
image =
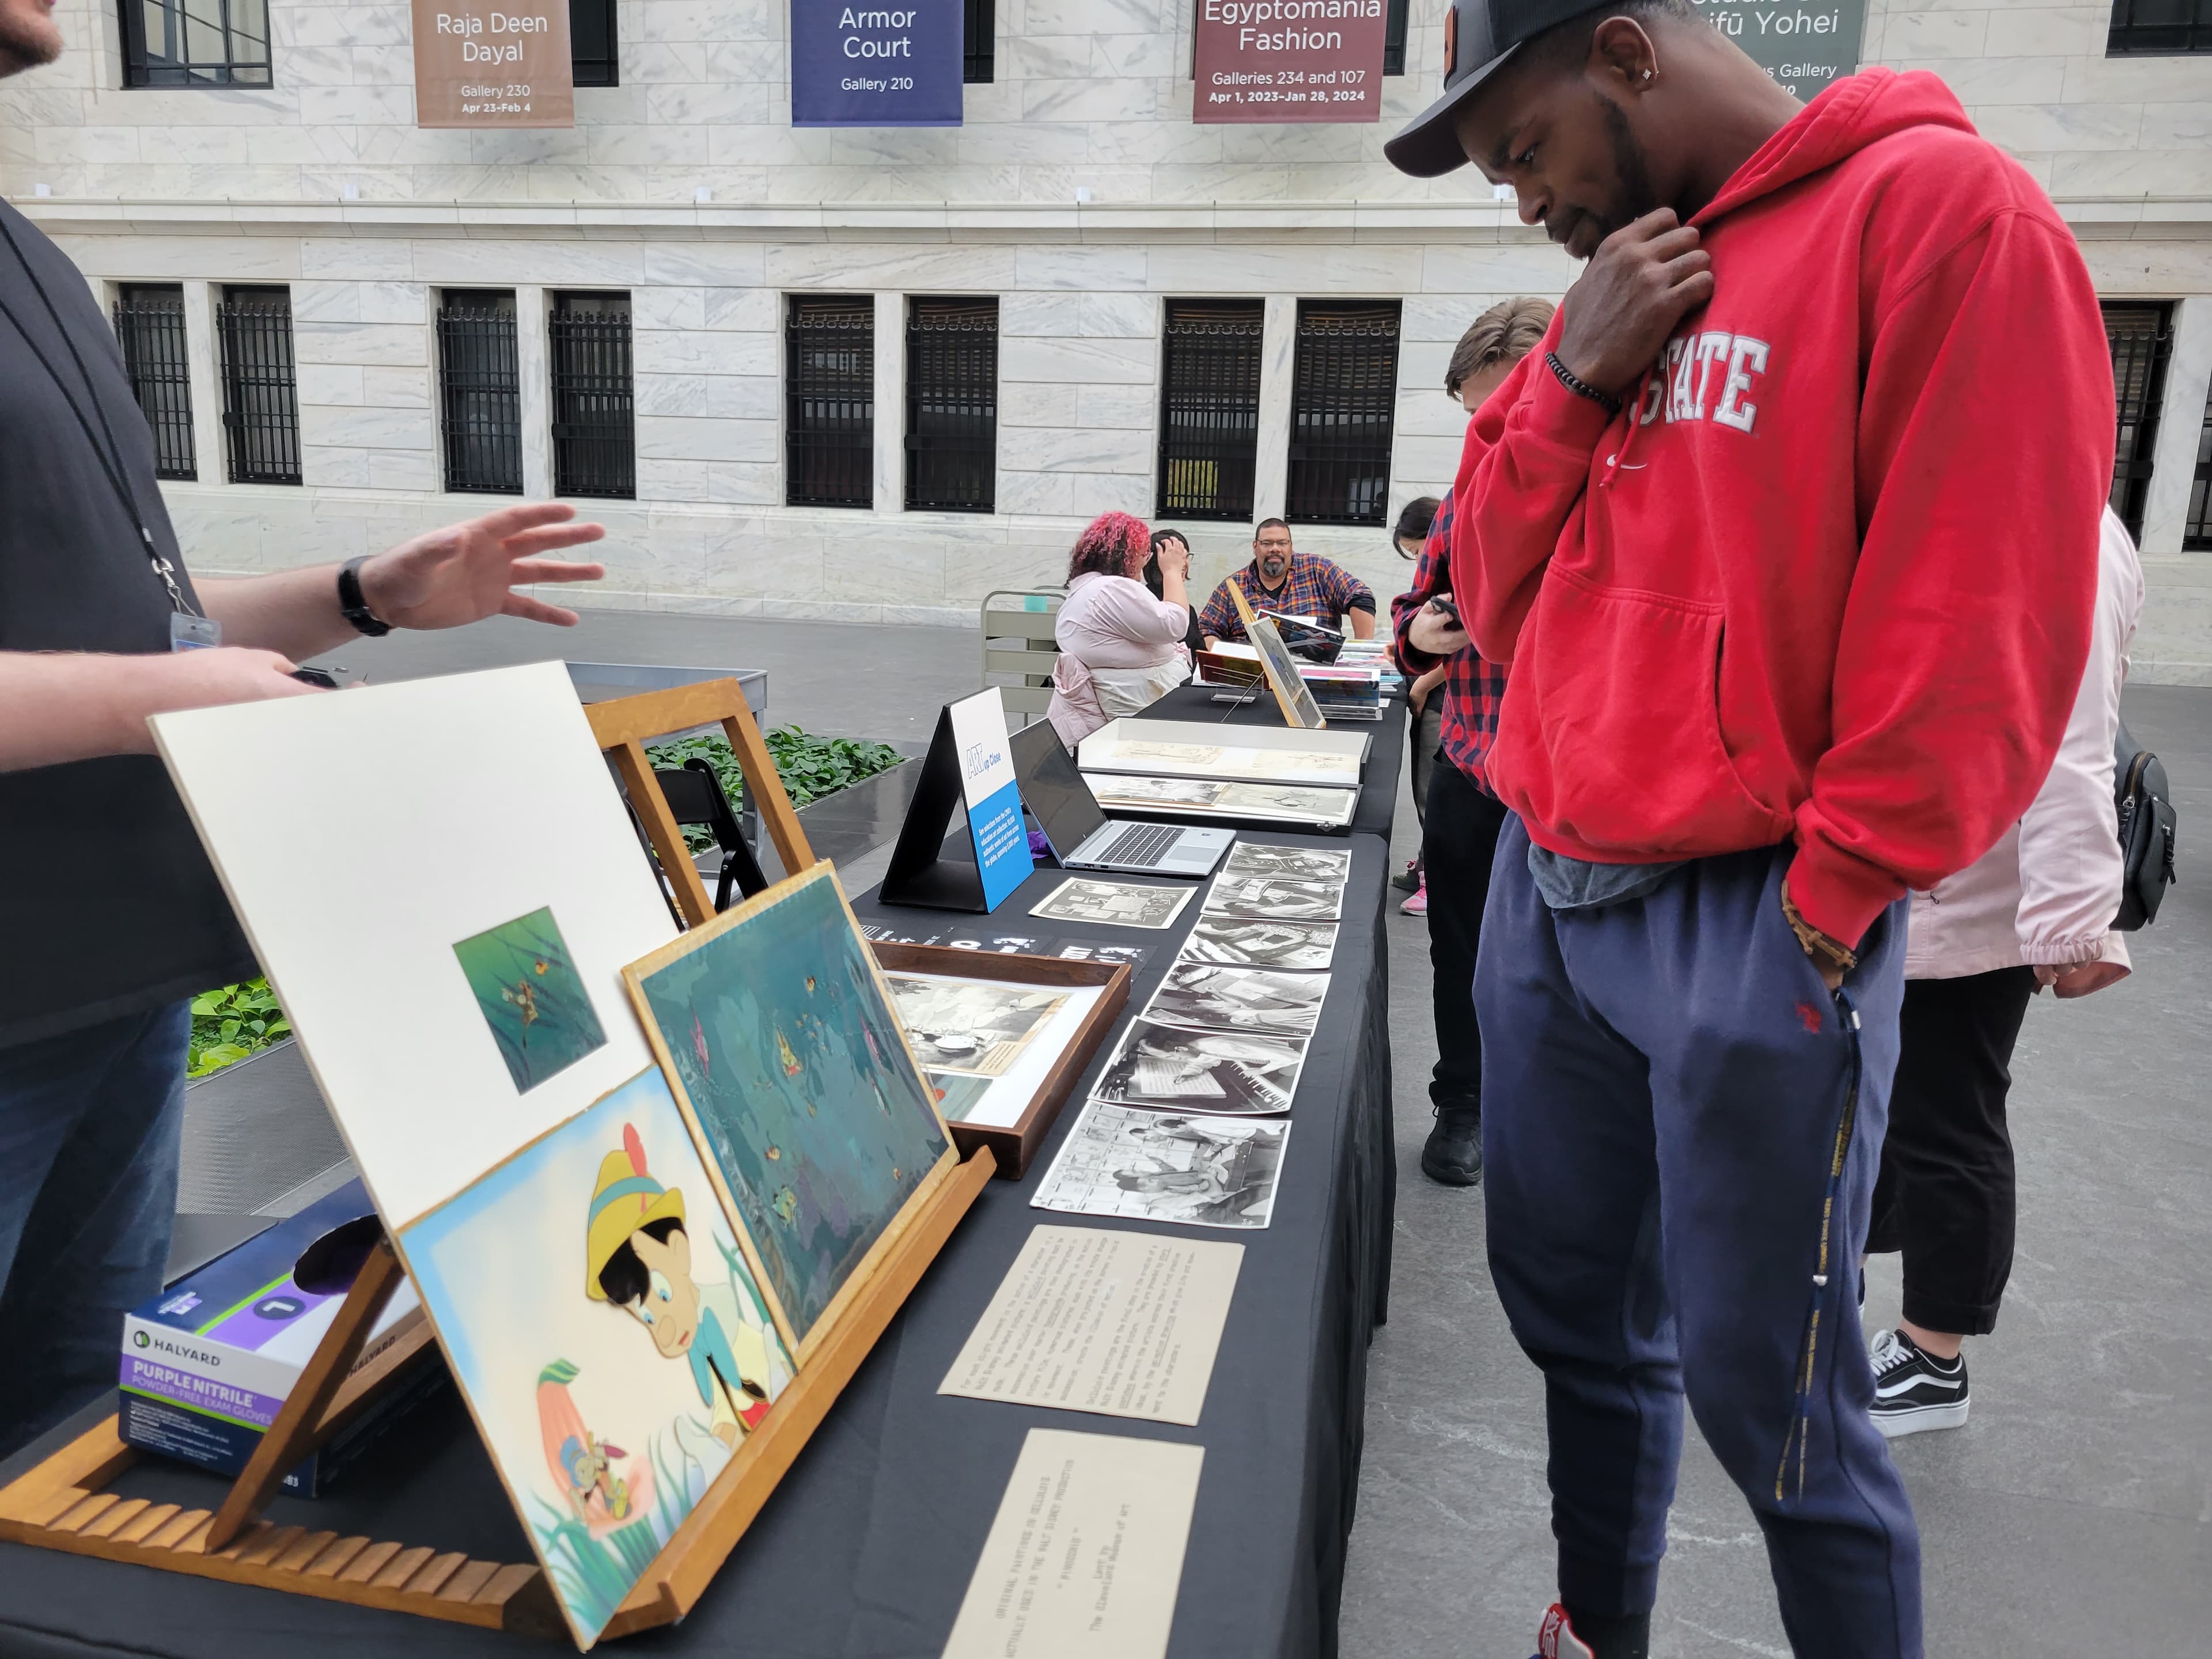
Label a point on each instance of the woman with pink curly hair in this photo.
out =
(1120, 648)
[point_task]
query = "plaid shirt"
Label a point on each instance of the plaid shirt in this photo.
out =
(1472, 689)
(1314, 587)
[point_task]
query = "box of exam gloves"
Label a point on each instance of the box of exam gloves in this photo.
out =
(207, 1363)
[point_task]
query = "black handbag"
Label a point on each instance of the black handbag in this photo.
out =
(2147, 820)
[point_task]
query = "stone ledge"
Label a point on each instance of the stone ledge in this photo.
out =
(2136, 218)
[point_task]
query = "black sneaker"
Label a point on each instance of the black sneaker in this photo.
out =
(1453, 1153)
(1913, 1390)
(1408, 880)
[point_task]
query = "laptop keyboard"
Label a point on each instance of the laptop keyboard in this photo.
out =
(1141, 844)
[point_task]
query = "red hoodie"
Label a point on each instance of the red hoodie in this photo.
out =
(1830, 577)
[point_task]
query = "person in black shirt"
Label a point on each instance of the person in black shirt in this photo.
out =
(110, 917)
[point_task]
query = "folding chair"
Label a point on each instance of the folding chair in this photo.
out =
(665, 800)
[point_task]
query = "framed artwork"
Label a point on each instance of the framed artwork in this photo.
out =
(1292, 695)
(776, 1028)
(612, 1344)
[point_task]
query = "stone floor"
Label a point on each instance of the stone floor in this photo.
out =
(2074, 1515)
(2071, 1516)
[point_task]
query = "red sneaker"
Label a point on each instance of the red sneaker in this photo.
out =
(1556, 1639)
(1419, 904)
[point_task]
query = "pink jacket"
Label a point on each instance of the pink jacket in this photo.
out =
(2046, 893)
(1120, 650)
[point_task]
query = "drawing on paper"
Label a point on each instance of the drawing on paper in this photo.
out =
(976, 1026)
(532, 1000)
(612, 1343)
(791, 1059)
(1199, 1170)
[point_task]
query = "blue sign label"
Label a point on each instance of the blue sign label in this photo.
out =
(1002, 844)
(876, 66)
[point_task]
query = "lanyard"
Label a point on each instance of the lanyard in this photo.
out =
(111, 453)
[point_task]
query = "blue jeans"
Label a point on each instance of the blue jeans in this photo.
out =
(1680, 1130)
(89, 1126)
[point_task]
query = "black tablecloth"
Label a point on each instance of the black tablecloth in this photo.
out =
(1378, 785)
(865, 1549)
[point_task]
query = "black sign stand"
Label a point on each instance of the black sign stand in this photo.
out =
(926, 869)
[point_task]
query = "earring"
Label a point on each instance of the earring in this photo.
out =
(1647, 75)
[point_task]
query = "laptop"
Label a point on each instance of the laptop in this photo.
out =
(1084, 838)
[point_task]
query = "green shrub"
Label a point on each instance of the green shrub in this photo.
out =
(811, 767)
(230, 1024)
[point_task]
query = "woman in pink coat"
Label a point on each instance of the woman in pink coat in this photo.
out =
(2036, 910)
(1121, 649)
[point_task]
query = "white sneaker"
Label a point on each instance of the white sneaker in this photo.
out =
(1913, 1390)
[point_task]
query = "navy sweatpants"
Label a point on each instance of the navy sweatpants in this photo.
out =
(1680, 1130)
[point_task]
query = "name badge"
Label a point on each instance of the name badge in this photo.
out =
(193, 633)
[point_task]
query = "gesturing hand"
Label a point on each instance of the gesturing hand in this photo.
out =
(466, 571)
(1642, 281)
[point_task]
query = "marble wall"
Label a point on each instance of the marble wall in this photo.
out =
(1078, 192)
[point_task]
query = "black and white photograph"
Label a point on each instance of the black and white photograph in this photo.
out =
(1110, 790)
(1155, 1166)
(1285, 946)
(1298, 802)
(1227, 1072)
(1116, 903)
(1253, 858)
(977, 1027)
(1275, 897)
(1238, 1000)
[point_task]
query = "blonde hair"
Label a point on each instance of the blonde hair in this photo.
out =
(1505, 333)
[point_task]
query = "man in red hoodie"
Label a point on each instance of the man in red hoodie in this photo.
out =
(1788, 532)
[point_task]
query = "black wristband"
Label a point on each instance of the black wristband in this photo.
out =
(1581, 387)
(352, 606)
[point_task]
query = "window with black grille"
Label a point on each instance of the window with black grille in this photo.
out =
(1394, 37)
(1210, 407)
(2141, 337)
(593, 52)
(594, 400)
(260, 385)
(978, 26)
(150, 327)
(1344, 393)
(480, 392)
(2159, 28)
(2196, 529)
(951, 405)
(829, 400)
(195, 43)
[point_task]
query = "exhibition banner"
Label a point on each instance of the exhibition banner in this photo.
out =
(481, 65)
(1807, 45)
(991, 793)
(855, 66)
(1290, 60)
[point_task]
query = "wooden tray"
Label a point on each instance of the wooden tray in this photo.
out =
(1014, 1146)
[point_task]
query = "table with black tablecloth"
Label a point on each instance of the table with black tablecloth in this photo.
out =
(865, 1549)
(1378, 805)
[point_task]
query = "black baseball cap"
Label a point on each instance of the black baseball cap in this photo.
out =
(1480, 38)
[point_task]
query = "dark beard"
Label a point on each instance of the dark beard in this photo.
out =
(1634, 197)
(20, 51)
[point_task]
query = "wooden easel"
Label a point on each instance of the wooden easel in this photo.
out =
(624, 726)
(61, 1504)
